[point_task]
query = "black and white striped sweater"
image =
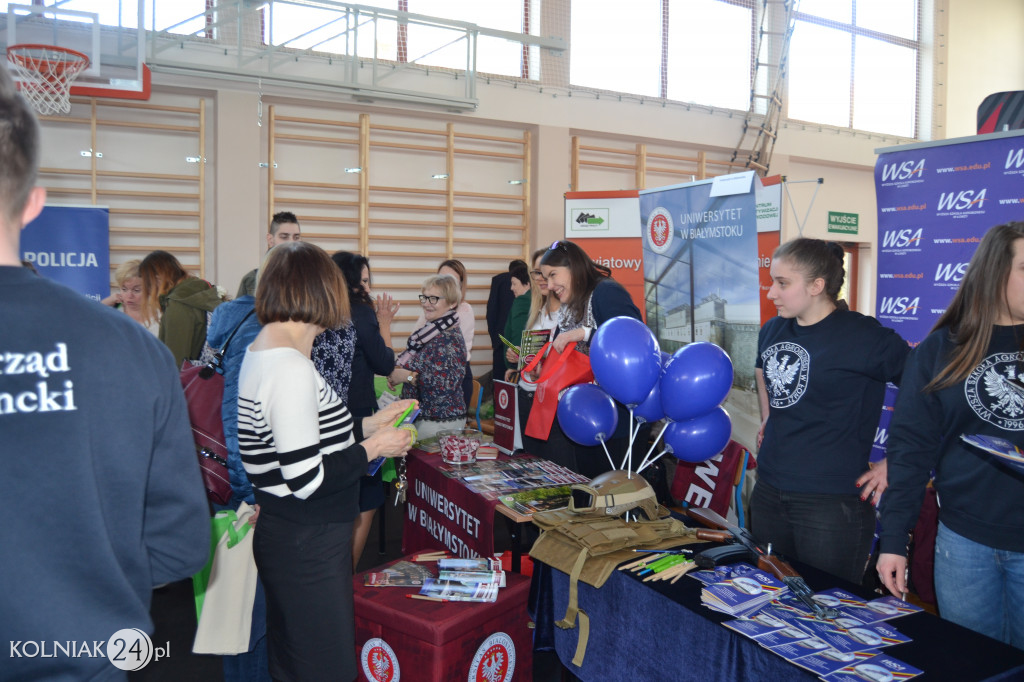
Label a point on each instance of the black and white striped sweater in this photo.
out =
(297, 439)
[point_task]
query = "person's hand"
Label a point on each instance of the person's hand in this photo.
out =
(760, 433)
(892, 569)
(510, 374)
(112, 300)
(387, 416)
(255, 515)
(565, 338)
(386, 307)
(873, 483)
(400, 375)
(511, 355)
(388, 442)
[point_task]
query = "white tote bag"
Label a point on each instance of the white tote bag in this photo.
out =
(225, 620)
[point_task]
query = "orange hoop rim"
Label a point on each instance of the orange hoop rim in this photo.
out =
(80, 61)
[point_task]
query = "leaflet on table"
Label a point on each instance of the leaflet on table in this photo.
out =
(532, 341)
(743, 594)
(452, 591)
(720, 573)
(892, 607)
(829, 660)
(473, 577)
(542, 499)
(847, 634)
(880, 668)
(1006, 451)
(399, 574)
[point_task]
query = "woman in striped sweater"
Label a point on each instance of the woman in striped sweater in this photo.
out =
(305, 454)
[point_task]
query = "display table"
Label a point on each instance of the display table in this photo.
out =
(441, 512)
(657, 631)
(431, 640)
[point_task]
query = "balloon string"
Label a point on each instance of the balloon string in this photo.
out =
(643, 463)
(607, 454)
(653, 460)
(629, 448)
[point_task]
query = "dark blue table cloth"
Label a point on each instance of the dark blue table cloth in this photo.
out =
(656, 631)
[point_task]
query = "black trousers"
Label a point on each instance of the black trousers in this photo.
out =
(830, 532)
(307, 575)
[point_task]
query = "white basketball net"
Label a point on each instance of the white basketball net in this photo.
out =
(46, 73)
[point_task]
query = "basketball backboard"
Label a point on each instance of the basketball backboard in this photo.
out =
(111, 33)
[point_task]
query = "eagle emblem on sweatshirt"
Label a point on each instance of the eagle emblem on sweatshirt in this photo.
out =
(995, 391)
(785, 367)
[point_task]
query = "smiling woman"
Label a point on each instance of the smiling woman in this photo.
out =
(588, 298)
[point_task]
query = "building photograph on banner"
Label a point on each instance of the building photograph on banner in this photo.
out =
(701, 278)
(71, 245)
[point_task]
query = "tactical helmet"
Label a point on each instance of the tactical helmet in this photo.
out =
(613, 493)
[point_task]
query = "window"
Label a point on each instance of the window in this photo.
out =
(447, 47)
(333, 30)
(687, 50)
(854, 64)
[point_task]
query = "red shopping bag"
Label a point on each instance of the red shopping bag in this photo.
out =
(567, 369)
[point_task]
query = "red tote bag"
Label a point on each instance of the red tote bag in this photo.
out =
(567, 369)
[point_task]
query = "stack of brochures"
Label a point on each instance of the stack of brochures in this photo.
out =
(744, 593)
(399, 574)
(845, 648)
(1007, 452)
(465, 580)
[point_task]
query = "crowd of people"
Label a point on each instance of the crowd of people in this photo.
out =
(302, 425)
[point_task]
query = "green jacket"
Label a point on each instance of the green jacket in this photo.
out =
(183, 324)
(518, 316)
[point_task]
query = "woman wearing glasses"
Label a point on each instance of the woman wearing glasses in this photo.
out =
(588, 297)
(434, 362)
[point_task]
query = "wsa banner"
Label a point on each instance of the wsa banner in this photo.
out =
(935, 202)
(71, 245)
(701, 278)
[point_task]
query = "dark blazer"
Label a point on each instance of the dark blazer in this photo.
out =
(371, 357)
(499, 304)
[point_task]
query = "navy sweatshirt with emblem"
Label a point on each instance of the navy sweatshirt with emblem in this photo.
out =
(981, 499)
(825, 383)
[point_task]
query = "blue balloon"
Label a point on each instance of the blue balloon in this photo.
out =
(650, 410)
(587, 414)
(699, 439)
(626, 359)
(696, 379)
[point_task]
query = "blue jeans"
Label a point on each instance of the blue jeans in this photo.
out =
(830, 532)
(980, 587)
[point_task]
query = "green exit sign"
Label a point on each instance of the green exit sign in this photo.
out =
(845, 223)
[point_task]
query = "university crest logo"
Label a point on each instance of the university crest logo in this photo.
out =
(785, 366)
(994, 392)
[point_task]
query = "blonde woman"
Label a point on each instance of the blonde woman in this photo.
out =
(129, 297)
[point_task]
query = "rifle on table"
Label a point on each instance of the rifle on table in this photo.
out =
(730, 533)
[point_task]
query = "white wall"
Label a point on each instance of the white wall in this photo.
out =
(985, 56)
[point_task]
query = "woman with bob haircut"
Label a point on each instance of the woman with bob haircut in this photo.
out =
(965, 379)
(433, 364)
(305, 455)
(184, 301)
(821, 371)
(588, 297)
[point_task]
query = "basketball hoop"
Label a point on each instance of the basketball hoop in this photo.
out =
(46, 73)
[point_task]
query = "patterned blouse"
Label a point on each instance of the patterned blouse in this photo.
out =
(332, 355)
(441, 366)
